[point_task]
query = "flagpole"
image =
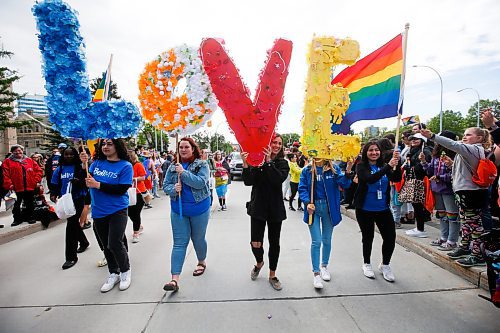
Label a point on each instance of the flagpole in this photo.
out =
(402, 84)
(108, 78)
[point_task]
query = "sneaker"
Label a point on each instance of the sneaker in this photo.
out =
(255, 272)
(135, 238)
(416, 233)
(300, 209)
(224, 207)
(368, 271)
(386, 272)
(471, 261)
(103, 262)
(325, 274)
(275, 283)
(292, 209)
(82, 248)
(16, 223)
(110, 283)
(447, 247)
(125, 279)
(317, 282)
(141, 230)
(459, 253)
(437, 242)
(398, 225)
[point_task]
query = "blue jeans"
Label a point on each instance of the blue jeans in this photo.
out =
(321, 231)
(190, 227)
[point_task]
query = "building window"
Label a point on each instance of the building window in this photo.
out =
(37, 128)
(37, 143)
(26, 144)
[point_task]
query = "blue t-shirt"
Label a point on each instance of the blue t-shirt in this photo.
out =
(373, 202)
(119, 172)
(319, 185)
(65, 173)
(189, 206)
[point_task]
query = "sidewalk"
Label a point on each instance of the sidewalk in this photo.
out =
(421, 246)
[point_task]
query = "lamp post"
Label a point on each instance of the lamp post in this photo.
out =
(216, 136)
(441, 81)
(478, 101)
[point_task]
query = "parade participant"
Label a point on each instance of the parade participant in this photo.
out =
(446, 208)
(52, 163)
(372, 201)
(266, 206)
(110, 177)
(295, 171)
(414, 176)
(406, 212)
(325, 208)
(187, 181)
(21, 174)
(134, 212)
(211, 166)
(471, 196)
(70, 170)
(148, 181)
(221, 180)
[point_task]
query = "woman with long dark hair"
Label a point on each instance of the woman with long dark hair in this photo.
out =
(109, 178)
(187, 181)
(134, 212)
(445, 205)
(372, 200)
(70, 170)
(266, 206)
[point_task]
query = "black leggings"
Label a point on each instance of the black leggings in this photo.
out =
(111, 230)
(74, 233)
(421, 215)
(257, 228)
(134, 212)
(294, 187)
(29, 201)
(386, 226)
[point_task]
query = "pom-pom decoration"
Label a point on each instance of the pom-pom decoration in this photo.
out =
(253, 122)
(66, 79)
(168, 110)
(325, 105)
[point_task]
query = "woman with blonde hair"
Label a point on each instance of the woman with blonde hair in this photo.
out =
(471, 196)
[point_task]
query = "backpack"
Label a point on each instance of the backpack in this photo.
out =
(485, 174)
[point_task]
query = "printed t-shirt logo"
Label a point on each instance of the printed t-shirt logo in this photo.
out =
(105, 173)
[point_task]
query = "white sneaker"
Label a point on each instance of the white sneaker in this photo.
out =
(368, 271)
(387, 272)
(135, 238)
(125, 279)
(103, 262)
(317, 282)
(325, 274)
(416, 233)
(110, 283)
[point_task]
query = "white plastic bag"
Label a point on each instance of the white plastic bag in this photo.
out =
(132, 197)
(65, 207)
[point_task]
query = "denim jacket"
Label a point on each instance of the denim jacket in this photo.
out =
(196, 176)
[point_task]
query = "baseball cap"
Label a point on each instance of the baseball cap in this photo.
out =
(62, 146)
(418, 136)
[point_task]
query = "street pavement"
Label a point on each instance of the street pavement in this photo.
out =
(38, 296)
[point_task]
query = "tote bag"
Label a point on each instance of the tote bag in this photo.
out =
(132, 197)
(65, 206)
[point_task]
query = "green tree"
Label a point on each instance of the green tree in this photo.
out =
(113, 88)
(146, 137)
(290, 138)
(52, 139)
(212, 142)
(7, 95)
(471, 117)
(452, 121)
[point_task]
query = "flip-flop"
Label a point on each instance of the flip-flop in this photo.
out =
(199, 271)
(171, 286)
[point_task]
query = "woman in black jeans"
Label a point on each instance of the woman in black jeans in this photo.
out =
(109, 179)
(266, 206)
(372, 200)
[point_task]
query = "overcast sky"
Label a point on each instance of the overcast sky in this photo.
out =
(460, 39)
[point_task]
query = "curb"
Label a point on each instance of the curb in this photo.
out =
(24, 230)
(475, 275)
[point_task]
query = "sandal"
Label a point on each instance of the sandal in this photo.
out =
(275, 283)
(199, 271)
(255, 272)
(171, 286)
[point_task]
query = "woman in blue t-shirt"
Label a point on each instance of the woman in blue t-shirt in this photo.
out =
(110, 177)
(70, 170)
(372, 201)
(189, 217)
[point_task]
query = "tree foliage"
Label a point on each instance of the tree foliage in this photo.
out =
(452, 121)
(146, 137)
(212, 142)
(290, 138)
(113, 88)
(470, 119)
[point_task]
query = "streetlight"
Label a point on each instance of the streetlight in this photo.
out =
(216, 138)
(478, 101)
(441, 81)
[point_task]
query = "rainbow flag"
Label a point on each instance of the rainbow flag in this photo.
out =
(374, 85)
(99, 93)
(410, 120)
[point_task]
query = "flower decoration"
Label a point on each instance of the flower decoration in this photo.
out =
(66, 79)
(325, 104)
(253, 122)
(160, 104)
